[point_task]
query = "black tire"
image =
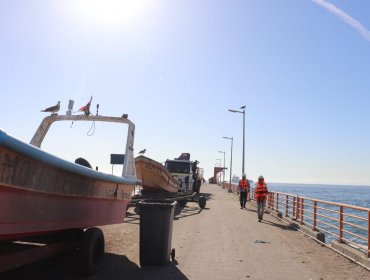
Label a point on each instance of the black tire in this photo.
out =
(202, 202)
(91, 251)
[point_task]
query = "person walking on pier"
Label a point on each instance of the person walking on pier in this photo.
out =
(261, 196)
(243, 190)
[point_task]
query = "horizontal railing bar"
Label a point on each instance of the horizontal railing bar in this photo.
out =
(353, 225)
(308, 204)
(328, 210)
(330, 218)
(328, 232)
(354, 216)
(308, 211)
(329, 225)
(354, 234)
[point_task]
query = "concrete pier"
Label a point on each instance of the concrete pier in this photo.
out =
(221, 242)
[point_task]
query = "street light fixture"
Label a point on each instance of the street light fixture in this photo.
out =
(223, 171)
(241, 112)
(231, 158)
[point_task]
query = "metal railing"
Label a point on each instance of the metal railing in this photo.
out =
(348, 224)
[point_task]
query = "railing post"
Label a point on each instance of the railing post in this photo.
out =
(277, 201)
(272, 201)
(368, 234)
(302, 210)
(341, 224)
(314, 214)
(294, 203)
(286, 205)
(297, 209)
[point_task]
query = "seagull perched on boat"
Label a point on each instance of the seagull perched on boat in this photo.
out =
(142, 152)
(53, 109)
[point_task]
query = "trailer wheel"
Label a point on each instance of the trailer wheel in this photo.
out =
(92, 250)
(202, 202)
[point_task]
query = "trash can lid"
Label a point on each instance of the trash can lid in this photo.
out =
(157, 203)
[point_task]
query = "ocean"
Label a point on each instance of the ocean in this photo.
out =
(353, 195)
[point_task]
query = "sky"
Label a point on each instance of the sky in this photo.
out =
(301, 67)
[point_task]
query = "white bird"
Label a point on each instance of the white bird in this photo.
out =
(142, 152)
(52, 109)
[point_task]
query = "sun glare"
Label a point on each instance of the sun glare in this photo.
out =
(112, 12)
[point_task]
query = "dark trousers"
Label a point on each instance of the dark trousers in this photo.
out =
(261, 208)
(243, 199)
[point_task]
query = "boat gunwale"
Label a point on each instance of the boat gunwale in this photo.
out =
(43, 156)
(171, 180)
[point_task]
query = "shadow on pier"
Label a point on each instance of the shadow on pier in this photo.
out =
(113, 267)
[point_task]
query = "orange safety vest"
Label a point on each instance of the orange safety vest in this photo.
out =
(261, 191)
(244, 184)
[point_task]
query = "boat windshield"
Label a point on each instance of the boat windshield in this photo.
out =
(178, 167)
(94, 142)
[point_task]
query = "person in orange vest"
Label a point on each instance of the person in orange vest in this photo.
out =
(261, 196)
(243, 190)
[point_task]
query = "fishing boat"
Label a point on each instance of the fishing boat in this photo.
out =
(42, 193)
(154, 176)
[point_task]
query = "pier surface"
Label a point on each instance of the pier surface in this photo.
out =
(221, 241)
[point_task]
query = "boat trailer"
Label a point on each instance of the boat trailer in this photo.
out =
(87, 244)
(182, 198)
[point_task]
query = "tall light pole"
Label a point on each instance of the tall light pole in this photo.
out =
(242, 112)
(223, 171)
(231, 158)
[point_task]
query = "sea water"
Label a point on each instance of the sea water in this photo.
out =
(353, 195)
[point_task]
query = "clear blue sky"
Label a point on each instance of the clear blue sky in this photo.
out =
(301, 67)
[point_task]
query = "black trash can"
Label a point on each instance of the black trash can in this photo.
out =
(156, 220)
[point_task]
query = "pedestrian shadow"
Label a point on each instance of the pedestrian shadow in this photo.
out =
(281, 226)
(113, 267)
(187, 211)
(251, 209)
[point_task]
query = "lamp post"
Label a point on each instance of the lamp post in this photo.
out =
(241, 112)
(231, 158)
(223, 171)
